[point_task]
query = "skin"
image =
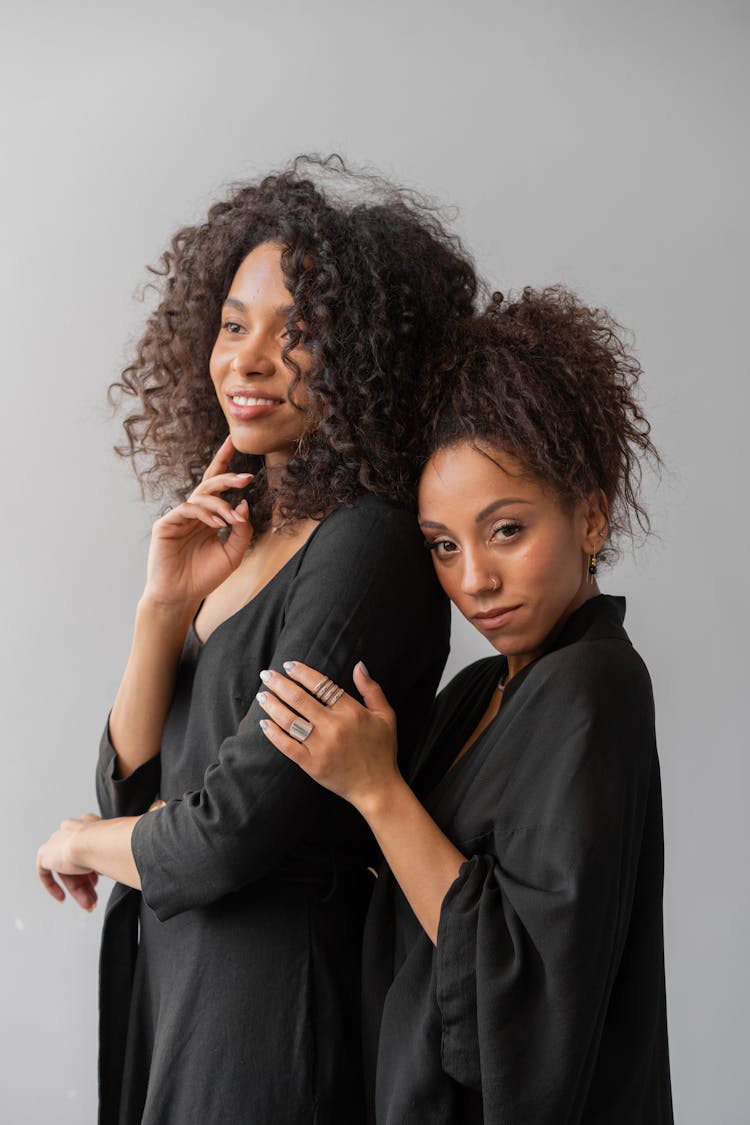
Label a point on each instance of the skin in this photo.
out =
(190, 566)
(500, 540)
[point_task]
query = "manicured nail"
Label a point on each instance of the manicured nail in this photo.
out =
(363, 667)
(261, 697)
(289, 665)
(242, 476)
(266, 676)
(263, 724)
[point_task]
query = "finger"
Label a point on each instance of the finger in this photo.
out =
(277, 711)
(221, 483)
(371, 691)
(312, 680)
(190, 512)
(216, 505)
(288, 746)
(81, 889)
(221, 459)
(291, 693)
(47, 880)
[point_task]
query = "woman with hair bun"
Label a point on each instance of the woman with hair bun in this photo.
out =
(514, 957)
(301, 317)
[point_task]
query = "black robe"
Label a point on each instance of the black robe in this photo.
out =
(543, 1002)
(240, 1001)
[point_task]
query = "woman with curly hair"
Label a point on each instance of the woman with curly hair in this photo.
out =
(514, 957)
(303, 323)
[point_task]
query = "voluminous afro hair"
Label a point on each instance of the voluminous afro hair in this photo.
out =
(377, 284)
(554, 384)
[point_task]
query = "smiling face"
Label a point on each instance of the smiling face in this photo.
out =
(508, 552)
(248, 371)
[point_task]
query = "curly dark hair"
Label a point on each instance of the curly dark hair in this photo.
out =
(377, 285)
(554, 384)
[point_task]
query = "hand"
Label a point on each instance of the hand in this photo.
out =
(351, 749)
(187, 558)
(53, 857)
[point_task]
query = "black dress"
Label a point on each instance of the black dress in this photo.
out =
(240, 1000)
(543, 1002)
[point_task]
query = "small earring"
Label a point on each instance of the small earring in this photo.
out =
(593, 563)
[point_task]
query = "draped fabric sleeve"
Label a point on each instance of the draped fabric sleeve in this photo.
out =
(532, 930)
(129, 796)
(364, 590)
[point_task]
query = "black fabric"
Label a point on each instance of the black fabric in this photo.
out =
(543, 1002)
(240, 1002)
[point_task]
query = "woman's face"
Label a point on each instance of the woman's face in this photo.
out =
(251, 379)
(507, 552)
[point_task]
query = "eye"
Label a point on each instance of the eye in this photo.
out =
(508, 529)
(441, 547)
(232, 327)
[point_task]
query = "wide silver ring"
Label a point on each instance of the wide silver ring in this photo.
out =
(335, 698)
(300, 729)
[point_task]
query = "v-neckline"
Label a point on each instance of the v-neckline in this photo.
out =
(251, 601)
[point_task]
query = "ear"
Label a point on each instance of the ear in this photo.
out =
(595, 522)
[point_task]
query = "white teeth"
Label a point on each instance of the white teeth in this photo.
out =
(243, 400)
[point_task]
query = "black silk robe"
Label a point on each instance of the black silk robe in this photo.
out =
(543, 1002)
(230, 987)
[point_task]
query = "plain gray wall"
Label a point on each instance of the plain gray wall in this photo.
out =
(600, 144)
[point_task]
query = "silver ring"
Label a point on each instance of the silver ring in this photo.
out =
(327, 692)
(300, 729)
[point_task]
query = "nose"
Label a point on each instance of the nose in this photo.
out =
(479, 574)
(253, 354)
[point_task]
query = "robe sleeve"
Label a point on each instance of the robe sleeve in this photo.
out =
(365, 590)
(129, 796)
(532, 930)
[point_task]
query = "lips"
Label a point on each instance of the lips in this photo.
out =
(245, 406)
(494, 618)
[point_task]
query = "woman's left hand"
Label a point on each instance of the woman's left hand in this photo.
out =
(53, 857)
(351, 749)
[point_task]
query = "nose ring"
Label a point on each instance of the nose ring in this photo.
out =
(493, 582)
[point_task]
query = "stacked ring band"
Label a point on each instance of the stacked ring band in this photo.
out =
(328, 692)
(300, 729)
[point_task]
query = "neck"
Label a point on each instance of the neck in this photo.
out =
(519, 660)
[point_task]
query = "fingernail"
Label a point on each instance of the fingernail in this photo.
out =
(261, 697)
(363, 667)
(288, 665)
(263, 724)
(266, 676)
(242, 476)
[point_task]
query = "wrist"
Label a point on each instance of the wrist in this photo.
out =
(377, 803)
(176, 614)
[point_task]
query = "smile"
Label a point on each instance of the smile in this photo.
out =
(246, 408)
(247, 400)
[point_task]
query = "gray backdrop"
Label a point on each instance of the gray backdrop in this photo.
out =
(601, 144)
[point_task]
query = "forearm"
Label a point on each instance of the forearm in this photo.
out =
(422, 858)
(145, 693)
(104, 846)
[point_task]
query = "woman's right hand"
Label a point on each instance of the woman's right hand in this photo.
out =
(187, 558)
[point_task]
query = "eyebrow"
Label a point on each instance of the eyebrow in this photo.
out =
(282, 311)
(493, 507)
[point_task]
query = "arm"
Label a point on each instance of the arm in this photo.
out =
(187, 560)
(352, 751)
